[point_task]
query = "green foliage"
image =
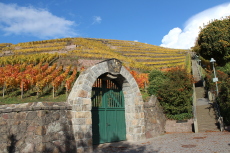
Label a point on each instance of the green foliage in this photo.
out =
(155, 73)
(155, 84)
(224, 101)
(181, 116)
(210, 85)
(225, 69)
(223, 98)
(174, 92)
(214, 41)
(156, 79)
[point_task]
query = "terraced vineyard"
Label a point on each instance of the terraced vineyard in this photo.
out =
(49, 67)
(135, 55)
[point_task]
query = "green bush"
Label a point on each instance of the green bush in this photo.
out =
(156, 73)
(174, 92)
(156, 79)
(224, 101)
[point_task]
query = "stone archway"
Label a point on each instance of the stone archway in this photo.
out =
(80, 99)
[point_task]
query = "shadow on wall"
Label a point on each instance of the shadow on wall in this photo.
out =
(123, 146)
(53, 133)
(64, 141)
(68, 146)
(13, 141)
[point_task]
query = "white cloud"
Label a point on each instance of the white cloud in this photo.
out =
(184, 39)
(33, 22)
(97, 20)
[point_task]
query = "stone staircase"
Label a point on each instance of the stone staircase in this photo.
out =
(205, 114)
(206, 118)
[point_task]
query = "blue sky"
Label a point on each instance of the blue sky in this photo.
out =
(173, 24)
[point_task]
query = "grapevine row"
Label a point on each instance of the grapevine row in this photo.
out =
(35, 78)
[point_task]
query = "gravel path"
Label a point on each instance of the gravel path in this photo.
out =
(208, 142)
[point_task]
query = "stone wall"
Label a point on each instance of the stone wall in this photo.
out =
(155, 119)
(36, 127)
(173, 126)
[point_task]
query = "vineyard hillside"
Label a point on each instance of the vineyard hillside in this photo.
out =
(84, 52)
(46, 70)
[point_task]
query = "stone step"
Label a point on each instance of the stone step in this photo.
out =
(206, 118)
(200, 92)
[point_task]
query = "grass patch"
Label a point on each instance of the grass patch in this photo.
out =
(45, 98)
(145, 96)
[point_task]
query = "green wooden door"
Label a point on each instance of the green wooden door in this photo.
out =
(108, 112)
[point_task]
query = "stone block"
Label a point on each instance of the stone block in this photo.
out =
(29, 148)
(134, 122)
(89, 149)
(89, 95)
(143, 129)
(78, 121)
(88, 135)
(86, 107)
(3, 123)
(49, 147)
(83, 114)
(56, 150)
(56, 116)
(40, 147)
(86, 87)
(96, 71)
(20, 116)
(80, 150)
(14, 129)
(137, 129)
(130, 130)
(82, 143)
(4, 129)
(19, 143)
(142, 137)
(31, 128)
(3, 138)
(68, 115)
(88, 121)
(41, 113)
(80, 135)
(129, 137)
(5, 116)
(90, 78)
(40, 130)
(46, 138)
(31, 115)
(17, 122)
(82, 93)
(77, 107)
(87, 101)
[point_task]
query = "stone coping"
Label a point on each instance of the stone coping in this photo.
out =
(35, 106)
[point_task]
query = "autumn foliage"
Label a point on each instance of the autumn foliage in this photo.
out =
(141, 78)
(36, 78)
